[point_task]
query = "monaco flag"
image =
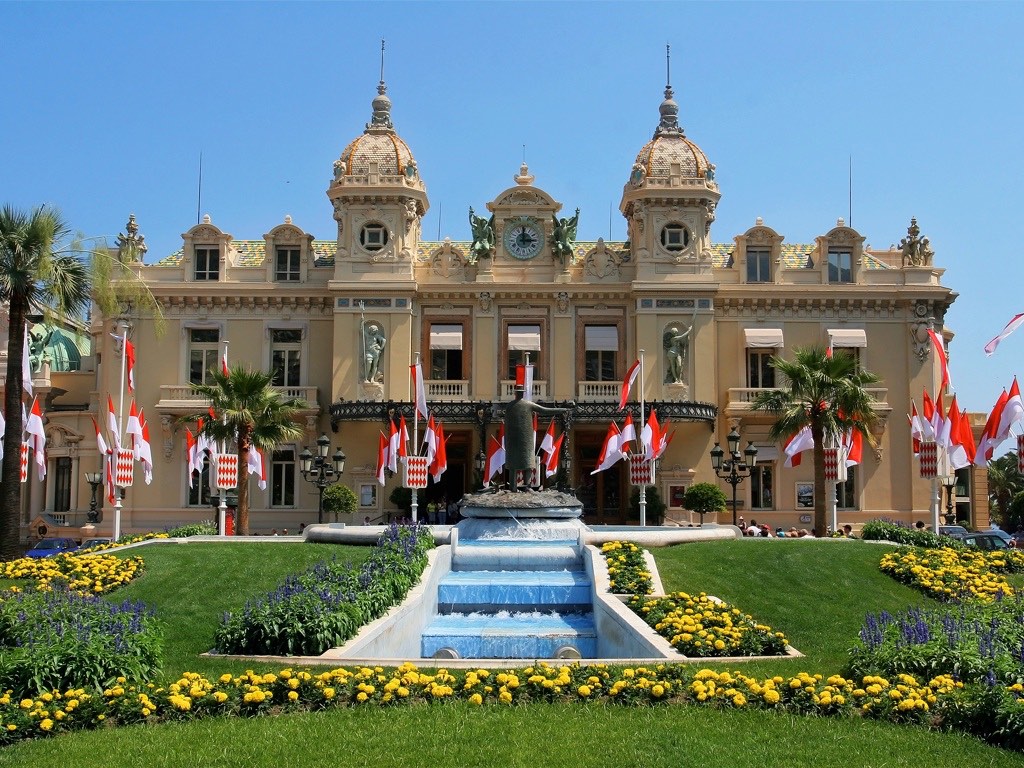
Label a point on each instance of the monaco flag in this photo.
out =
(382, 450)
(495, 454)
(440, 462)
(627, 383)
(257, 465)
(551, 462)
(988, 443)
(1010, 327)
(418, 388)
(797, 444)
(940, 353)
(610, 452)
(1013, 411)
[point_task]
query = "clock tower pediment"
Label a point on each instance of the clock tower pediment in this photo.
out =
(523, 220)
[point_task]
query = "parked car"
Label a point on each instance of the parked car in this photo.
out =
(953, 531)
(1001, 534)
(1018, 539)
(97, 542)
(52, 546)
(986, 540)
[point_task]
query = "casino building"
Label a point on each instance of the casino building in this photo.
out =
(340, 321)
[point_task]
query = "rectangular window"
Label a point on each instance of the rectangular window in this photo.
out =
(840, 266)
(62, 484)
(368, 495)
(759, 265)
(282, 478)
(203, 348)
(601, 346)
(199, 493)
(207, 264)
(446, 352)
(286, 265)
(285, 357)
(760, 372)
(846, 493)
(762, 487)
(523, 340)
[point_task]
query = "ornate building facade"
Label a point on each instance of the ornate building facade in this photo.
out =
(340, 322)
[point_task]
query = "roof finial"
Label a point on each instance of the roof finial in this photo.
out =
(382, 61)
(668, 66)
(669, 124)
(382, 104)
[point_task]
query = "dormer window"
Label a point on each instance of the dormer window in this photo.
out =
(207, 261)
(759, 265)
(840, 265)
(675, 237)
(286, 265)
(373, 237)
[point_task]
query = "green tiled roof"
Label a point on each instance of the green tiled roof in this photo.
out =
(252, 253)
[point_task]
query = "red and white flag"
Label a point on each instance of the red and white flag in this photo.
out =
(430, 439)
(257, 465)
(943, 426)
(394, 436)
(34, 427)
(967, 438)
(664, 438)
(382, 449)
(190, 451)
(797, 444)
(134, 428)
(627, 383)
(144, 451)
(115, 433)
(528, 382)
(610, 452)
(495, 454)
(940, 353)
(26, 365)
(418, 388)
(916, 430)
(650, 437)
(224, 361)
(548, 443)
(1010, 327)
(440, 462)
(403, 439)
(551, 462)
(111, 489)
(129, 362)
(853, 446)
(101, 444)
(628, 434)
(1013, 412)
(988, 443)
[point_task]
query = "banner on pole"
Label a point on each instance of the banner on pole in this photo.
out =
(24, 462)
(929, 460)
(124, 468)
(641, 470)
(1020, 453)
(415, 472)
(227, 470)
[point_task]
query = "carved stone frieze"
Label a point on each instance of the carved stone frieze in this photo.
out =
(602, 263)
(448, 261)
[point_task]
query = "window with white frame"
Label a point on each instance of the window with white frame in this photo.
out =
(62, 484)
(446, 353)
(287, 268)
(286, 357)
(759, 265)
(848, 341)
(199, 492)
(762, 486)
(523, 340)
(282, 478)
(368, 495)
(203, 349)
(760, 371)
(846, 492)
(207, 263)
(601, 345)
(840, 265)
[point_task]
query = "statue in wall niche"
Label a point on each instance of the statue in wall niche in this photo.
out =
(483, 236)
(677, 351)
(563, 236)
(374, 342)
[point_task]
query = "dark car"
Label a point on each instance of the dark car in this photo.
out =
(953, 531)
(52, 546)
(97, 542)
(1001, 534)
(986, 540)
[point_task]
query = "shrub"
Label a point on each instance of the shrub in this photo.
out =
(898, 533)
(326, 605)
(654, 506)
(57, 640)
(340, 500)
(704, 498)
(205, 528)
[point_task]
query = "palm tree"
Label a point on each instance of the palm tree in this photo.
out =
(1004, 482)
(826, 393)
(250, 413)
(33, 272)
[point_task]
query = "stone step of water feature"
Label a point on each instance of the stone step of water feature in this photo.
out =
(506, 635)
(473, 591)
(516, 555)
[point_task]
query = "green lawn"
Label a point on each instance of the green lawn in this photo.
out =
(816, 592)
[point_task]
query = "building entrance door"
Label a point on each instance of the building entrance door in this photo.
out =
(604, 495)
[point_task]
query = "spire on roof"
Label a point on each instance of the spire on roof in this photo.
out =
(381, 104)
(669, 125)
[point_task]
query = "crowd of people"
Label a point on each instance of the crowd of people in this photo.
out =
(765, 531)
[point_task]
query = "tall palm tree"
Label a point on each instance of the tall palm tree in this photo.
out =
(826, 393)
(1004, 482)
(33, 272)
(250, 414)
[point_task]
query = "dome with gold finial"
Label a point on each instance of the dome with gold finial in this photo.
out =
(378, 144)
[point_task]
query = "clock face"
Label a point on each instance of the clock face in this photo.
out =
(523, 238)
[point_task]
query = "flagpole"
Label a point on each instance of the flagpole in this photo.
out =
(414, 508)
(643, 487)
(120, 432)
(222, 496)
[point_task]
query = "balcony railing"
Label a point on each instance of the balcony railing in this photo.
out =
(599, 391)
(740, 398)
(181, 397)
(508, 389)
(446, 389)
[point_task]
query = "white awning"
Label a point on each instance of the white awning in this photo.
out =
(764, 338)
(767, 452)
(446, 337)
(524, 338)
(848, 337)
(601, 338)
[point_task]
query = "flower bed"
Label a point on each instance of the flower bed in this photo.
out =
(954, 574)
(326, 605)
(627, 568)
(82, 574)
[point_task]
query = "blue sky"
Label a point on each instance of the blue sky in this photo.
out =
(108, 106)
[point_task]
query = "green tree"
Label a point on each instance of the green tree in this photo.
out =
(1004, 483)
(827, 394)
(704, 498)
(250, 413)
(339, 500)
(33, 273)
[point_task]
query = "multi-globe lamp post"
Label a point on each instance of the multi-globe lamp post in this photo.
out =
(733, 470)
(949, 483)
(320, 471)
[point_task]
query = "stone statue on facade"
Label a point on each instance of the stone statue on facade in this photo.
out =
(519, 437)
(677, 348)
(917, 252)
(37, 343)
(131, 247)
(483, 236)
(374, 342)
(563, 237)
(339, 169)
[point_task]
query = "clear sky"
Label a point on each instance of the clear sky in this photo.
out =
(107, 107)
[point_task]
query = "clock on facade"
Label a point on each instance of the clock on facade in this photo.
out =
(523, 238)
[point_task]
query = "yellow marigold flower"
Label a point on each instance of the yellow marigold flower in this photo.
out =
(46, 725)
(505, 697)
(476, 699)
(293, 695)
(12, 727)
(27, 704)
(361, 696)
(583, 690)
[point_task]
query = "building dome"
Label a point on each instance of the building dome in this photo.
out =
(377, 144)
(670, 146)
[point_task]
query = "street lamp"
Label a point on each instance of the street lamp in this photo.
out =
(733, 470)
(95, 480)
(949, 482)
(321, 472)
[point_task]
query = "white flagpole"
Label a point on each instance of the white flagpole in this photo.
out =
(120, 433)
(222, 496)
(643, 421)
(416, 430)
